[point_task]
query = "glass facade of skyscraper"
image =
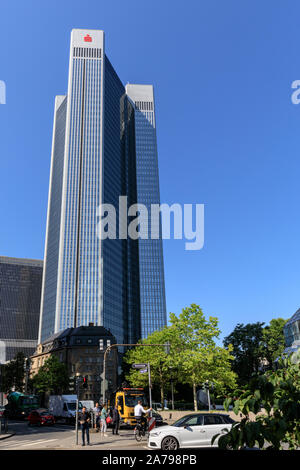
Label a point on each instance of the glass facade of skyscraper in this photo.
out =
(151, 268)
(49, 290)
(103, 147)
(79, 299)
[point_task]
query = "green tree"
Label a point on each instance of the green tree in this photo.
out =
(52, 377)
(14, 373)
(192, 353)
(158, 357)
(272, 342)
(246, 343)
(278, 394)
(197, 356)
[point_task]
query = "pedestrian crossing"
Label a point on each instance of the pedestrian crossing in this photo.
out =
(24, 443)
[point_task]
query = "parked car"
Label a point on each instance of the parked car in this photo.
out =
(194, 430)
(40, 417)
(158, 418)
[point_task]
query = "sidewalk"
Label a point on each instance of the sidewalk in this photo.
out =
(6, 436)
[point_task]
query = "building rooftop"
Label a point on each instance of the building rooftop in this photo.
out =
(80, 331)
(294, 318)
(21, 261)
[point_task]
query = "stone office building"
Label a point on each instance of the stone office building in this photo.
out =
(79, 349)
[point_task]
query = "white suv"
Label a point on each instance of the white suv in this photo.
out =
(194, 430)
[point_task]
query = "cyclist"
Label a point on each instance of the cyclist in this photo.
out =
(139, 412)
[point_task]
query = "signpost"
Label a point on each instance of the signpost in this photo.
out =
(77, 385)
(144, 368)
(150, 388)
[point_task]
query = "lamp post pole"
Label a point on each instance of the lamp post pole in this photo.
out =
(77, 406)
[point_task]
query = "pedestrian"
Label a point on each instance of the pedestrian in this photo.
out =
(97, 411)
(103, 417)
(84, 419)
(115, 420)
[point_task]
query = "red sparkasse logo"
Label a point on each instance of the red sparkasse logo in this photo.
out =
(87, 38)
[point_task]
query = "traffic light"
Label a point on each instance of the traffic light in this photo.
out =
(85, 382)
(72, 384)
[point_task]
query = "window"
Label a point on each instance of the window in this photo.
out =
(194, 421)
(210, 419)
(226, 419)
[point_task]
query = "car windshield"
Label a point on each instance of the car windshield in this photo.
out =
(44, 413)
(132, 400)
(72, 406)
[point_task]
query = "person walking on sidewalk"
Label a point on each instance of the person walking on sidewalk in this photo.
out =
(115, 420)
(103, 417)
(97, 412)
(84, 419)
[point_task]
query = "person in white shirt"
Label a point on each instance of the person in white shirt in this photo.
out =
(138, 413)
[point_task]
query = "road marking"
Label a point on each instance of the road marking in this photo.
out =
(40, 441)
(12, 443)
(27, 443)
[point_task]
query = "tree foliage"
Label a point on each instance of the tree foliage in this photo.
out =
(255, 347)
(272, 342)
(14, 374)
(160, 361)
(199, 358)
(193, 354)
(52, 377)
(277, 394)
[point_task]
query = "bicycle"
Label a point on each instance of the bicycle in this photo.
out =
(140, 431)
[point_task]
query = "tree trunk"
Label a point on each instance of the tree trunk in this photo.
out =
(162, 396)
(195, 397)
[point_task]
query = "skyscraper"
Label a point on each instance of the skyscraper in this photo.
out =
(20, 297)
(95, 155)
(152, 283)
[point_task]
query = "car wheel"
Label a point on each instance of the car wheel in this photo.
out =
(169, 443)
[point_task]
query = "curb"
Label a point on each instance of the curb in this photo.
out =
(6, 436)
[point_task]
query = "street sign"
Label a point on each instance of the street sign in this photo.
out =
(143, 371)
(139, 366)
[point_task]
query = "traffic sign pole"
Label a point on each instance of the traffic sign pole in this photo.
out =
(76, 413)
(150, 386)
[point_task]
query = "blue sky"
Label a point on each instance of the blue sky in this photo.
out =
(228, 135)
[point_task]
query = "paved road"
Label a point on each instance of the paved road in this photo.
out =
(61, 437)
